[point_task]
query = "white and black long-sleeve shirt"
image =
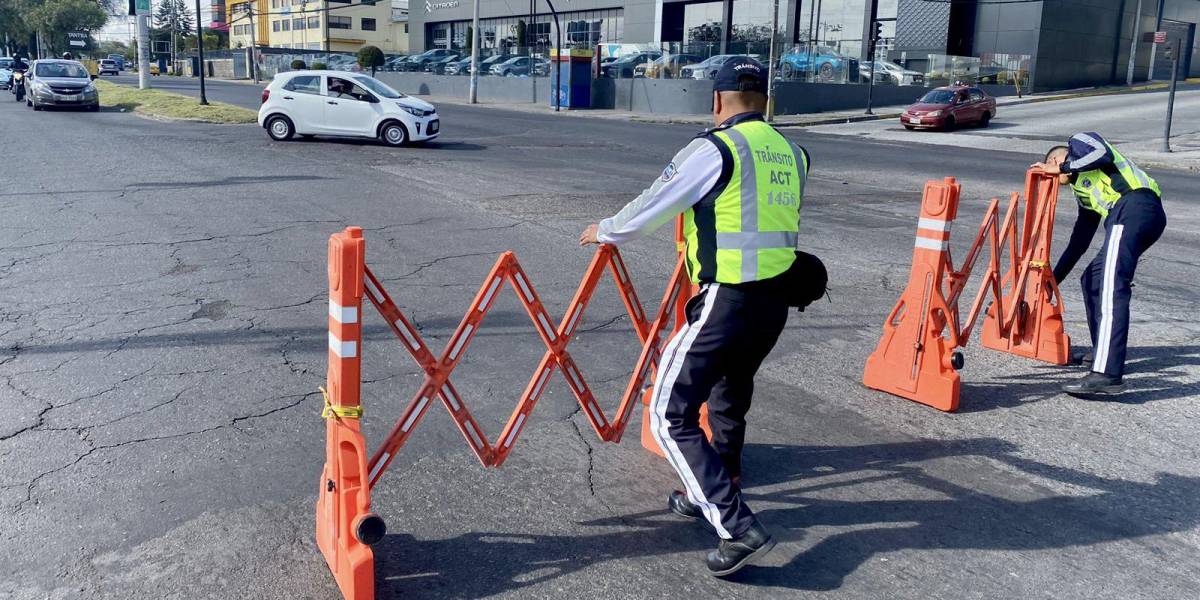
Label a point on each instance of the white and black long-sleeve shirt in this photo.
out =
(695, 172)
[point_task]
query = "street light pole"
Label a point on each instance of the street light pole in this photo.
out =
(200, 50)
(771, 62)
(1158, 18)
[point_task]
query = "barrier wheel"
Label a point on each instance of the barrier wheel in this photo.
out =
(957, 360)
(369, 528)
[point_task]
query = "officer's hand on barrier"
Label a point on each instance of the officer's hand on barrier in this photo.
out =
(1046, 168)
(589, 235)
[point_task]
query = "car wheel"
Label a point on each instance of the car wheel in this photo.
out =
(985, 120)
(280, 128)
(950, 124)
(826, 72)
(787, 71)
(393, 134)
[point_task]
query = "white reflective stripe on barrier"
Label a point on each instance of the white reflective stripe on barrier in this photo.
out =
(343, 314)
(934, 224)
(932, 244)
(342, 349)
(415, 413)
(512, 435)
(383, 458)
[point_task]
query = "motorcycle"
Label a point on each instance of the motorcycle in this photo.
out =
(18, 85)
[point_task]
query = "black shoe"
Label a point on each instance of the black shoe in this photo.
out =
(732, 555)
(1082, 357)
(680, 505)
(1095, 384)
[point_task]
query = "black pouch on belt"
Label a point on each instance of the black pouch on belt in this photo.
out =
(805, 281)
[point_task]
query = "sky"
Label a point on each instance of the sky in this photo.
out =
(123, 28)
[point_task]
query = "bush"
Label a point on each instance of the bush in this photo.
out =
(298, 65)
(370, 57)
(320, 66)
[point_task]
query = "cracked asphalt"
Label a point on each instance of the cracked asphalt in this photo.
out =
(163, 334)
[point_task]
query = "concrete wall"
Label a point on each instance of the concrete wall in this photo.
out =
(491, 89)
(1186, 11)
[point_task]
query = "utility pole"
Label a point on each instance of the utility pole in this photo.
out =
(1137, 25)
(1174, 49)
(200, 50)
(143, 40)
(254, 43)
(771, 62)
(473, 95)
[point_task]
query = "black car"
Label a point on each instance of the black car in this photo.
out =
(437, 66)
(417, 62)
(623, 67)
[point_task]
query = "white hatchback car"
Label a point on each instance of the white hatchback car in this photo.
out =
(336, 103)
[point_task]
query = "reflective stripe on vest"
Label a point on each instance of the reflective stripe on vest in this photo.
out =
(1094, 188)
(756, 216)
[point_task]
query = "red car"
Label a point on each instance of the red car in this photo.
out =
(949, 107)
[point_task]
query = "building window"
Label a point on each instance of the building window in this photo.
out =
(406, 28)
(314, 22)
(285, 25)
(274, 25)
(368, 24)
(340, 22)
(298, 23)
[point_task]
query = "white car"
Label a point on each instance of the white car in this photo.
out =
(108, 66)
(341, 104)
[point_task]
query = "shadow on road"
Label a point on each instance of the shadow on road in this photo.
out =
(1168, 381)
(477, 565)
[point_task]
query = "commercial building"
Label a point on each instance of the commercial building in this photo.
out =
(1055, 44)
(329, 25)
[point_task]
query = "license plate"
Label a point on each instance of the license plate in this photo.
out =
(65, 98)
(433, 127)
(914, 120)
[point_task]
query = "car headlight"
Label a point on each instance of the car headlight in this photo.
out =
(416, 112)
(91, 87)
(936, 113)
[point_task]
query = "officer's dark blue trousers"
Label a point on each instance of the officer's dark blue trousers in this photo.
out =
(1132, 226)
(714, 358)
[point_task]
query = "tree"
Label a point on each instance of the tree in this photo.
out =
(521, 40)
(370, 56)
(468, 39)
(54, 18)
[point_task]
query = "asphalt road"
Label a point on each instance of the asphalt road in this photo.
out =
(162, 335)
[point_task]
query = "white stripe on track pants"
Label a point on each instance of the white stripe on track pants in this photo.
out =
(713, 359)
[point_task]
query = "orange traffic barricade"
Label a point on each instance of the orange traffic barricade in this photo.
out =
(917, 356)
(346, 527)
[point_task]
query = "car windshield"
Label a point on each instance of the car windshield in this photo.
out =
(514, 60)
(5, 63)
(718, 59)
(61, 70)
(377, 86)
(938, 97)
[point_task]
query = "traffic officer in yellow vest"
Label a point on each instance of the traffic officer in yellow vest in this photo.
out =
(739, 186)
(1111, 188)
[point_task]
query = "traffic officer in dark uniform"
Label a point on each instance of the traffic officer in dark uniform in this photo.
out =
(1109, 188)
(739, 186)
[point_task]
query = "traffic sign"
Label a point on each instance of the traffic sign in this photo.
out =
(77, 39)
(143, 7)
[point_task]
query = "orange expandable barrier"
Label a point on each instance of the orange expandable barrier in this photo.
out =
(917, 356)
(345, 525)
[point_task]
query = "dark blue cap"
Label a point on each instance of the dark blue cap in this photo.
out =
(741, 74)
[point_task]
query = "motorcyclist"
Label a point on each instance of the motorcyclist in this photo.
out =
(68, 56)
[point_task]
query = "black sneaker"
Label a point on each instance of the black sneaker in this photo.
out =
(1082, 357)
(731, 555)
(679, 504)
(1095, 384)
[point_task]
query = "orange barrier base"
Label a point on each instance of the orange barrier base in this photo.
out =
(905, 366)
(648, 441)
(341, 498)
(1038, 331)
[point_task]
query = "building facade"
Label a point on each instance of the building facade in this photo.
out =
(329, 25)
(1059, 44)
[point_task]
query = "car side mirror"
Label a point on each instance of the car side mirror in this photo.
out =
(93, 77)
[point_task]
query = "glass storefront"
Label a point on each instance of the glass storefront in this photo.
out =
(585, 28)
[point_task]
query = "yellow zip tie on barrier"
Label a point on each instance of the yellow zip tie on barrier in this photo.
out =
(332, 410)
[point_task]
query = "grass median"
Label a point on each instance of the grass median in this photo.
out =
(169, 105)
